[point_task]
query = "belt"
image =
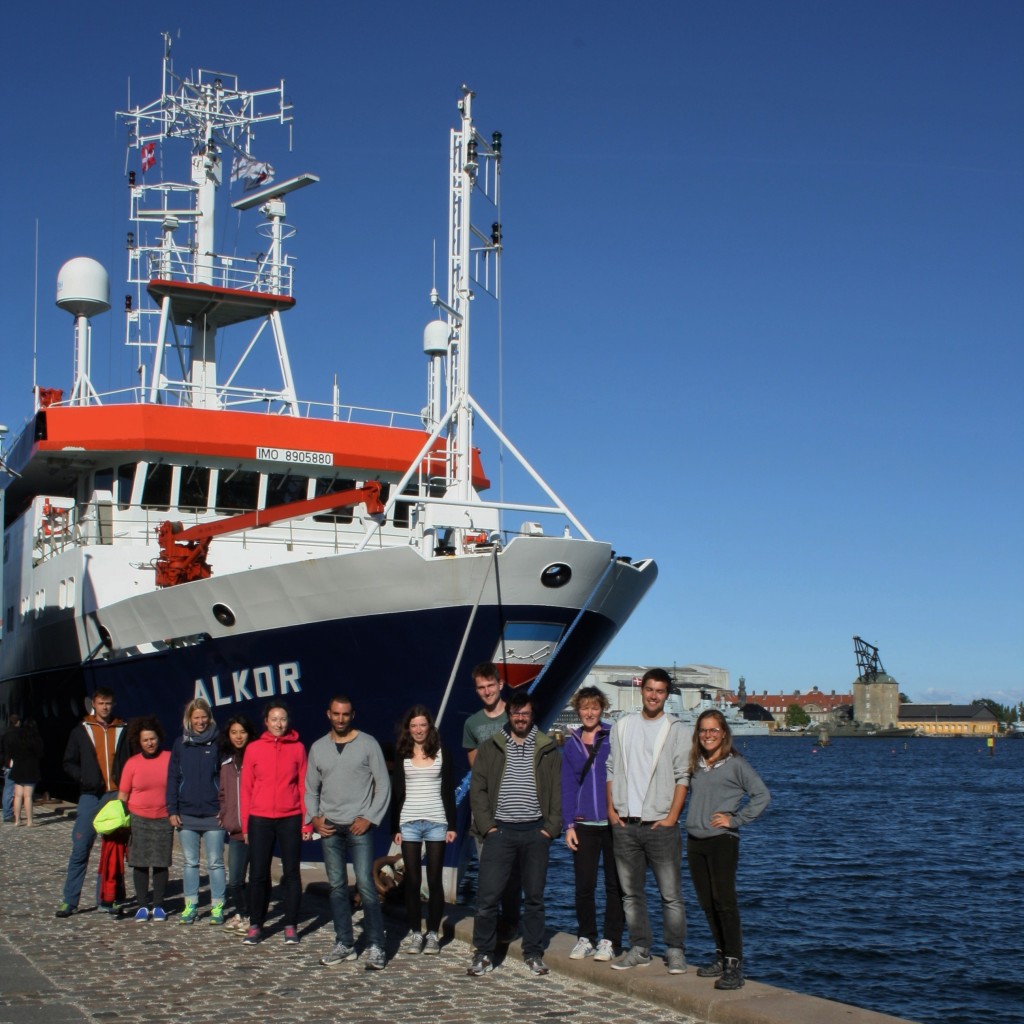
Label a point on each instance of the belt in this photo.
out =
(637, 821)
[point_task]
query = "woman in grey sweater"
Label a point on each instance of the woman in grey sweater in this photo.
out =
(725, 793)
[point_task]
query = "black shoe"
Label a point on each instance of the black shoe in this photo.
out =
(480, 966)
(712, 970)
(732, 974)
(65, 910)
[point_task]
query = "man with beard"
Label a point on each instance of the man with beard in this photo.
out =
(348, 790)
(515, 796)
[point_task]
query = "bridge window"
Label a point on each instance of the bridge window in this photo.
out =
(325, 485)
(237, 491)
(283, 488)
(156, 492)
(194, 489)
(125, 479)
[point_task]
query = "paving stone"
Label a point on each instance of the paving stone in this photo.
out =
(93, 967)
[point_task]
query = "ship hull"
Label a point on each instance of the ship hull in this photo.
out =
(300, 635)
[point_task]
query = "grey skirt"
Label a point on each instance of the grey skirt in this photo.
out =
(151, 844)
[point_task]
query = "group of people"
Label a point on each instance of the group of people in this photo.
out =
(616, 791)
(254, 795)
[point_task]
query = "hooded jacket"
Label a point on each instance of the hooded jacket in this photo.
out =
(95, 754)
(273, 778)
(193, 775)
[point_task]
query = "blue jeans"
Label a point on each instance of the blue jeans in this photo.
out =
(213, 840)
(526, 849)
(238, 865)
(8, 796)
(638, 847)
(81, 846)
(337, 849)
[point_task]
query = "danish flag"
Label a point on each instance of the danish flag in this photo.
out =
(148, 156)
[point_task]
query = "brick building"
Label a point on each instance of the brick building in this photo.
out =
(823, 708)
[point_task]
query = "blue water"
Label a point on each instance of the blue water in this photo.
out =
(887, 874)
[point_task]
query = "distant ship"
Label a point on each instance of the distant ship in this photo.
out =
(738, 725)
(196, 535)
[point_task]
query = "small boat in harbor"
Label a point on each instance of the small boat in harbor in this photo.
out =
(196, 533)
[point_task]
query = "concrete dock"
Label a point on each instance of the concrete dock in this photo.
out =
(93, 967)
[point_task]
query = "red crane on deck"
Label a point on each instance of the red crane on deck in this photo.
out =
(183, 552)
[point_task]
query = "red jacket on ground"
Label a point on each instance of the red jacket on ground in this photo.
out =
(274, 778)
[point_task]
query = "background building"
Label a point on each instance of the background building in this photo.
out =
(822, 708)
(949, 719)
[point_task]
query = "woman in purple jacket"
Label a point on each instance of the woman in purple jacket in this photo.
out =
(587, 832)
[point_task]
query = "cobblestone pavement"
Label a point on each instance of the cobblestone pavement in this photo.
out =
(94, 967)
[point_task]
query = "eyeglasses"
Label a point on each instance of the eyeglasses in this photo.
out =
(709, 732)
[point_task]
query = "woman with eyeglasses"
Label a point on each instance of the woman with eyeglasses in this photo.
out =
(725, 793)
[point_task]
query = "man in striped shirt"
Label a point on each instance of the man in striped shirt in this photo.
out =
(515, 795)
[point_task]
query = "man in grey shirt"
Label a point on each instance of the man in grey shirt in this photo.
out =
(647, 782)
(347, 795)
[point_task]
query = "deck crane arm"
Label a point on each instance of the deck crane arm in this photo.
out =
(183, 551)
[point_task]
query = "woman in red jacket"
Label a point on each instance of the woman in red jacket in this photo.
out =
(273, 811)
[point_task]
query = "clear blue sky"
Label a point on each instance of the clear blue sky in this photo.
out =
(763, 310)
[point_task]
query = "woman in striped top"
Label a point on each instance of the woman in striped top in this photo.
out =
(422, 812)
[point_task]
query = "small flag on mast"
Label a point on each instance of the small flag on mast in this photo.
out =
(148, 156)
(254, 172)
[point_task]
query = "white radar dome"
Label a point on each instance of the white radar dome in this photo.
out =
(435, 338)
(83, 287)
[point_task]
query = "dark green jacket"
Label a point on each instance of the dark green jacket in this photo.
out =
(489, 770)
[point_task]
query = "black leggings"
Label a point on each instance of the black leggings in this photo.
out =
(413, 882)
(713, 864)
(263, 832)
(141, 878)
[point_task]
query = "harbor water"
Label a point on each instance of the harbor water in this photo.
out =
(886, 873)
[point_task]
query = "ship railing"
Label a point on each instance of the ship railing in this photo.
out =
(179, 395)
(105, 523)
(179, 263)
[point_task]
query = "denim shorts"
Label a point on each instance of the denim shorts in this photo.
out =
(423, 831)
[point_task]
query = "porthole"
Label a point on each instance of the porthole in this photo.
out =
(556, 575)
(223, 614)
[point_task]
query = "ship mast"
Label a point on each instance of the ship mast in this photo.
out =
(473, 257)
(181, 280)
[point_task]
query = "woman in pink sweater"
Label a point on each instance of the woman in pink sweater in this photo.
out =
(273, 811)
(143, 788)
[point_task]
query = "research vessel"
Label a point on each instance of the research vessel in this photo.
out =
(195, 535)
